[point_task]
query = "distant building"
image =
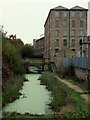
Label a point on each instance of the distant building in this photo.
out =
(63, 30)
(39, 46)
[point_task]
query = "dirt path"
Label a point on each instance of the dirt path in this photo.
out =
(86, 97)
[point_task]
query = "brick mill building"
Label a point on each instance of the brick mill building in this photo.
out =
(64, 29)
(39, 46)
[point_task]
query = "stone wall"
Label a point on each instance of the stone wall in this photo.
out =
(81, 73)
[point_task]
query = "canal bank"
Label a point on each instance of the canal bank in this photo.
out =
(66, 103)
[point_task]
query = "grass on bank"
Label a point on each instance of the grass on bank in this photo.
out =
(11, 92)
(83, 84)
(62, 96)
(26, 116)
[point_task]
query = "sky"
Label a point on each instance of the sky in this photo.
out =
(26, 18)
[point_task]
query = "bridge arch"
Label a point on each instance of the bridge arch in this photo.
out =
(39, 62)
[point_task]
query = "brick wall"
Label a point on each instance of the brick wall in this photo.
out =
(64, 53)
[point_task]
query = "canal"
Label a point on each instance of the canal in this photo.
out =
(34, 98)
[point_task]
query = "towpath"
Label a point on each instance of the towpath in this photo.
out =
(86, 97)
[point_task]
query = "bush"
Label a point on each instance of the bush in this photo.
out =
(12, 71)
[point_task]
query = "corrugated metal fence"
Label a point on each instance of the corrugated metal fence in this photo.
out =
(77, 62)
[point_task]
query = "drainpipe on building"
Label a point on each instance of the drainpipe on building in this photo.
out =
(88, 63)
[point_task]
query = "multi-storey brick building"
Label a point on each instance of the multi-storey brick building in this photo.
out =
(78, 27)
(39, 46)
(63, 30)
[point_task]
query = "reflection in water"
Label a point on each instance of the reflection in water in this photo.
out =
(33, 99)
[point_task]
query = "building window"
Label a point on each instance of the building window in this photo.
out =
(65, 42)
(56, 42)
(56, 50)
(81, 33)
(57, 13)
(81, 14)
(56, 33)
(73, 42)
(73, 32)
(65, 14)
(64, 32)
(73, 23)
(65, 23)
(81, 23)
(56, 23)
(73, 14)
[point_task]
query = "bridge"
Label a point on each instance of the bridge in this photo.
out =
(44, 64)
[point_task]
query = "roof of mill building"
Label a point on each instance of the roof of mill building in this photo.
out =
(78, 8)
(60, 8)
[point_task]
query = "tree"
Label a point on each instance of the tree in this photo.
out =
(17, 42)
(11, 56)
(27, 51)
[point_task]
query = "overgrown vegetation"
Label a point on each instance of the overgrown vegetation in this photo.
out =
(63, 96)
(12, 70)
(11, 91)
(13, 51)
(51, 83)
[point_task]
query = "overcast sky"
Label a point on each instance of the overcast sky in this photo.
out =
(26, 18)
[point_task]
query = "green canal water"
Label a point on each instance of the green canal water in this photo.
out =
(34, 99)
